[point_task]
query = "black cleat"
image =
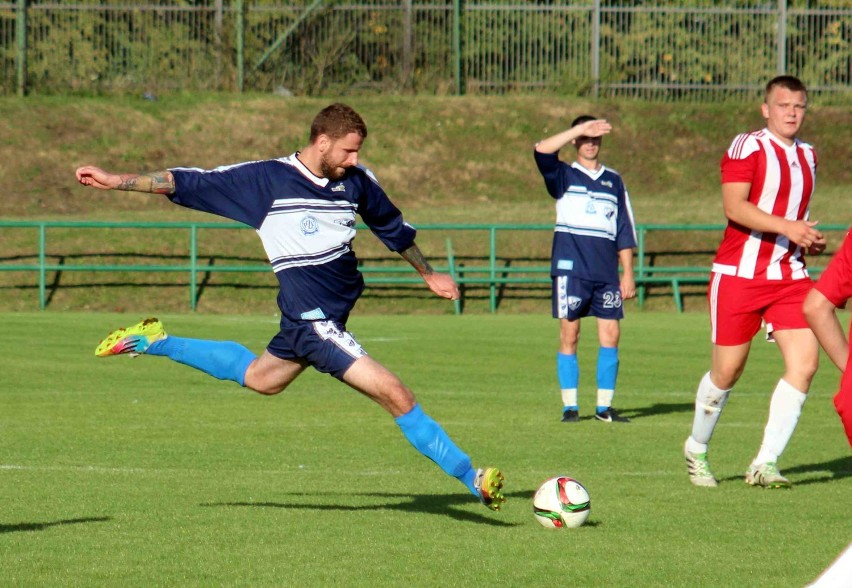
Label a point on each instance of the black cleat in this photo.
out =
(570, 416)
(611, 415)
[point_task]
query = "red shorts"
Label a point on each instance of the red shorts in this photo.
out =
(738, 305)
(843, 399)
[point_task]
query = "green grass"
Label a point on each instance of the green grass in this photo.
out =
(146, 473)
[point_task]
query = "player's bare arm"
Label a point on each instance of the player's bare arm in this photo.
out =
(441, 284)
(159, 182)
(739, 210)
(628, 281)
(592, 128)
(822, 318)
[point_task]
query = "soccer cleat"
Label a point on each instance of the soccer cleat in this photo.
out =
(699, 469)
(570, 416)
(611, 415)
(133, 340)
(489, 484)
(767, 476)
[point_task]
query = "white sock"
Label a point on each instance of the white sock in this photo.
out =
(605, 397)
(569, 397)
(709, 402)
(784, 411)
(838, 573)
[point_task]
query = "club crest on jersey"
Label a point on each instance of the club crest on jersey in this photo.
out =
(339, 188)
(309, 225)
(574, 302)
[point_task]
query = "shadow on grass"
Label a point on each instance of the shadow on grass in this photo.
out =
(657, 410)
(423, 503)
(42, 526)
(830, 471)
(835, 469)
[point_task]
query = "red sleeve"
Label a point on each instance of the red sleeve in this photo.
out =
(739, 170)
(835, 283)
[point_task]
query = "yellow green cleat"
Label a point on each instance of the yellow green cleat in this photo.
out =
(489, 484)
(132, 340)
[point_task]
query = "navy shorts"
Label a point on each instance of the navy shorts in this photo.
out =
(326, 345)
(574, 298)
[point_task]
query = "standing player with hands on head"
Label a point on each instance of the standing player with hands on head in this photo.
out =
(594, 231)
(303, 208)
(832, 291)
(759, 276)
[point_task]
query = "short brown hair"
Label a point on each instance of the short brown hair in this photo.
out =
(582, 119)
(336, 121)
(791, 83)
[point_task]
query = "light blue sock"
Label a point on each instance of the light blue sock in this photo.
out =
(568, 373)
(429, 438)
(225, 360)
(607, 370)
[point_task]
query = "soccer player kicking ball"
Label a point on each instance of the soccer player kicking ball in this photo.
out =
(303, 208)
(759, 276)
(832, 291)
(594, 231)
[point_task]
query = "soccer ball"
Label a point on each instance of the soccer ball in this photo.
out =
(561, 502)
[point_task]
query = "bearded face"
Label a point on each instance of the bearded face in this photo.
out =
(331, 169)
(340, 155)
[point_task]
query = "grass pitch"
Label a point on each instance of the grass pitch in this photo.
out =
(143, 472)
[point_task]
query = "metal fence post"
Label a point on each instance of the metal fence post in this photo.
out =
(218, 19)
(596, 48)
(241, 43)
(193, 267)
(781, 64)
(407, 45)
(457, 53)
(492, 263)
(21, 43)
(42, 261)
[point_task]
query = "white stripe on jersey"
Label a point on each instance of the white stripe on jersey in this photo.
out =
(304, 231)
(585, 231)
(581, 211)
(748, 261)
(582, 191)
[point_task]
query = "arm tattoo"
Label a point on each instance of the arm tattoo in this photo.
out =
(415, 257)
(162, 182)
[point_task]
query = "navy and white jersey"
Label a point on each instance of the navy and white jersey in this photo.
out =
(306, 224)
(594, 220)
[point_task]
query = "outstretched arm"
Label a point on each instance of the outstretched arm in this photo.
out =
(161, 182)
(441, 284)
(592, 128)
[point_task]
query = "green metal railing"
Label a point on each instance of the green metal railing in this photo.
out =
(489, 274)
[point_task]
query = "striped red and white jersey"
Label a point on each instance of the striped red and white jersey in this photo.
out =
(782, 181)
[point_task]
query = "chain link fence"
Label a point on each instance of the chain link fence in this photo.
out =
(658, 50)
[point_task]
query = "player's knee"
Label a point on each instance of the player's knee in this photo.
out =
(396, 398)
(261, 382)
(568, 342)
(265, 388)
(725, 377)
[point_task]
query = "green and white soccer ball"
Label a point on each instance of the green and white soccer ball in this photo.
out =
(561, 502)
